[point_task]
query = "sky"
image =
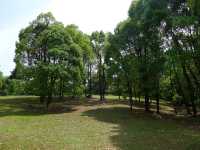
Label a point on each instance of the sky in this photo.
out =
(89, 15)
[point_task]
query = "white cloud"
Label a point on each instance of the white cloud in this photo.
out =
(90, 15)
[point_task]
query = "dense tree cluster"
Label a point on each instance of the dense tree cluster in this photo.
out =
(52, 58)
(156, 51)
(154, 54)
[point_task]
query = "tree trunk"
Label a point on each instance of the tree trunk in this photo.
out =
(118, 89)
(61, 89)
(182, 92)
(90, 81)
(50, 92)
(130, 95)
(146, 79)
(158, 95)
(174, 37)
(196, 81)
(42, 99)
(104, 82)
(100, 80)
(48, 101)
(146, 101)
(191, 90)
(139, 98)
(135, 95)
(157, 104)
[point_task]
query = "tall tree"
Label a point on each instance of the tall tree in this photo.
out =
(51, 58)
(98, 41)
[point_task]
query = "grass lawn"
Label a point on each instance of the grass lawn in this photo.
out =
(90, 125)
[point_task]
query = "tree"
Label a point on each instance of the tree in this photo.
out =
(140, 48)
(2, 80)
(98, 42)
(184, 35)
(51, 58)
(153, 54)
(84, 42)
(122, 57)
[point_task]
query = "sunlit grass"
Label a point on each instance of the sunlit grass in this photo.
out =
(89, 125)
(108, 97)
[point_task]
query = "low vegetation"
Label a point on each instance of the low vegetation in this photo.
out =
(88, 124)
(150, 63)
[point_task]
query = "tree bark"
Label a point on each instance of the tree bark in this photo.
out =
(190, 89)
(181, 92)
(158, 98)
(130, 95)
(146, 101)
(90, 81)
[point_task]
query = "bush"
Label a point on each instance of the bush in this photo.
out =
(14, 87)
(177, 99)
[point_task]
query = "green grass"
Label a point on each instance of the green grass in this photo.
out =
(89, 125)
(109, 97)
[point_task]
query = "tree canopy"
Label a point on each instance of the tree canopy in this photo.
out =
(153, 54)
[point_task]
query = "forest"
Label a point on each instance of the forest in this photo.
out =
(152, 59)
(153, 54)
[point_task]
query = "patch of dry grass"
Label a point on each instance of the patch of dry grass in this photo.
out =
(90, 125)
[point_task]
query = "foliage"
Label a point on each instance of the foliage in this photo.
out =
(51, 57)
(154, 54)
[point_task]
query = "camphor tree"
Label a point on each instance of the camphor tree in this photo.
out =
(51, 58)
(87, 53)
(153, 54)
(98, 40)
(139, 49)
(1, 83)
(183, 34)
(150, 16)
(121, 58)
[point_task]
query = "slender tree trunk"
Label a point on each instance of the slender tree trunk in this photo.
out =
(100, 79)
(50, 93)
(174, 37)
(90, 81)
(146, 101)
(118, 89)
(157, 104)
(146, 79)
(104, 83)
(182, 92)
(100, 85)
(130, 95)
(191, 90)
(135, 95)
(139, 98)
(42, 99)
(48, 102)
(61, 89)
(196, 81)
(158, 98)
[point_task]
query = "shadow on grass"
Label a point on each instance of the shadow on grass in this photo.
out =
(93, 102)
(30, 106)
(140, 130)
